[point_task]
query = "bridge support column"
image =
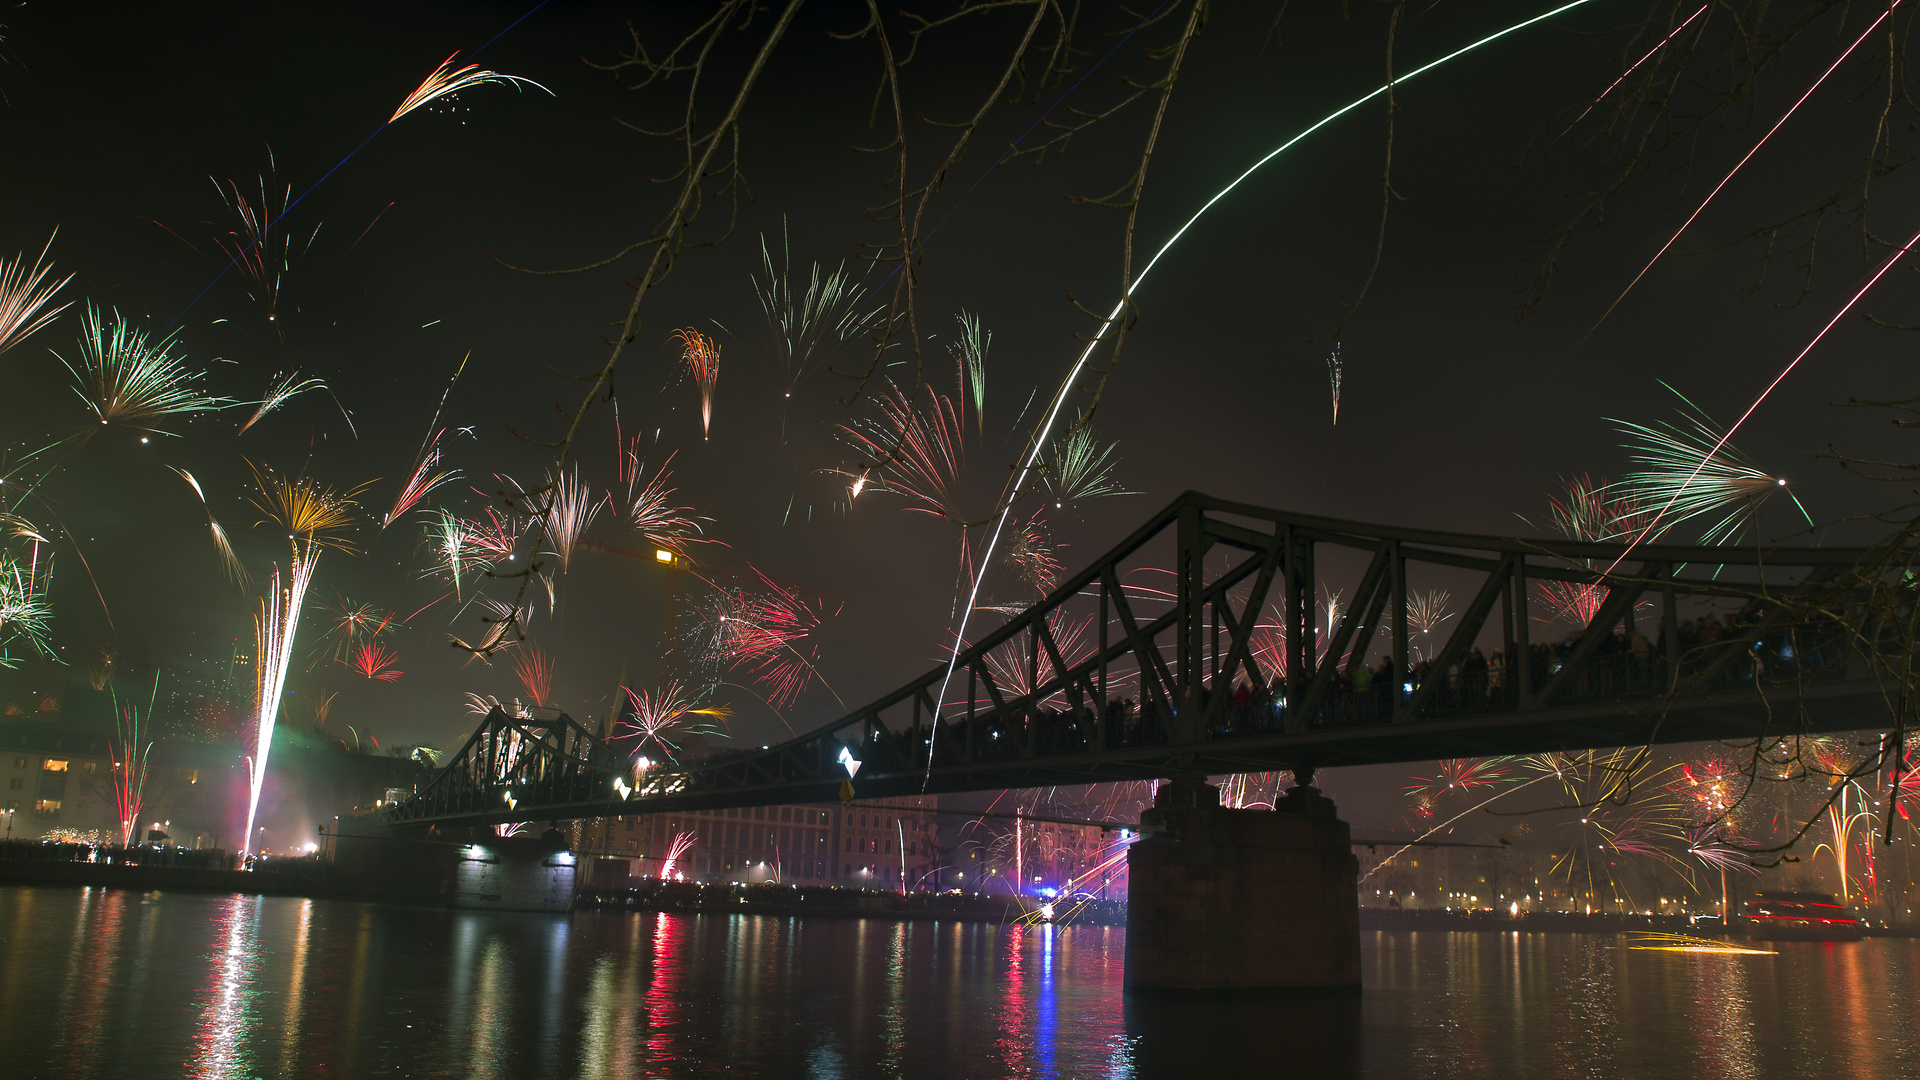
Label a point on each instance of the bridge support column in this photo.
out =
(517, 874)
(1235, 901)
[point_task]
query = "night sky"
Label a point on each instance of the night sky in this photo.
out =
(122, 121)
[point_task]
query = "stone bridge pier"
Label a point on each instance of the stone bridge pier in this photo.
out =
(1242, 901)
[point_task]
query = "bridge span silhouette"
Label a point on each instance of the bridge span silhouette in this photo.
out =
(1193, 648)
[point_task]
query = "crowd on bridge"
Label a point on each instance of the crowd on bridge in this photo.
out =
(1714, 651)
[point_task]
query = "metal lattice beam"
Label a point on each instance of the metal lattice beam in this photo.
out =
(1155, 694)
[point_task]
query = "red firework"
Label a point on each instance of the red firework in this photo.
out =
(771, 633)
(650, 508)
(372, 660)
(535, 672)
(911, 451)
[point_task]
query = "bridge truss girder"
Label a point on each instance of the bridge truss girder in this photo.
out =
(1230, 562)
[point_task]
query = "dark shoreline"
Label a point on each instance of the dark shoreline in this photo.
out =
(1564, 922)
(818, 901)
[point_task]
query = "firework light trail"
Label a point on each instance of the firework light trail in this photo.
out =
(447, 79)
(1335, 369)
(1778, 124)
(274, 628)
(423, 480)
(279, 394)
(1039, 441)
(309, 513)
(128, 761)
(229, 562)
(1611, 87)
(439, 83)
(24, 297)
(1726, 436)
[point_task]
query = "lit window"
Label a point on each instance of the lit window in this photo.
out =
(47, 808)
(54, 765)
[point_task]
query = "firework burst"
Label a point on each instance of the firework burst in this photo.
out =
(454, 542)
(284, 389)
(914, 452)
(1268, 646)
(248, 248)
(447, 79)
(970, 360)
(1033, 557)
(123, 378)
(571, 508)
(1082, 470)
(1426, 610)
(534, 669)
(650, 508)
(1461, 775)
(1690, 469)
(1020, 673)
(663, 720)
(771, 631)
(421, 482)
(809, 327)
(677, 848)
(702, 356)
(372, 660)
(311, 513)
(352, 624)
(26, 617)
(24, 296)
(1590, 511)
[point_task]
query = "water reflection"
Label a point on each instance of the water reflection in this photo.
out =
(672, 936)
(166, 985)
(227, 1009)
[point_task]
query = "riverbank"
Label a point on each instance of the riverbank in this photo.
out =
(804, 900)
(1566, 922)
(317, 878)
(189, 878)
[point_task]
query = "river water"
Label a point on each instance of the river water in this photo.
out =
(122, 984)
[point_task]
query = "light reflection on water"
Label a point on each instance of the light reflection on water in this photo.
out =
(122, 984)
(227, 999)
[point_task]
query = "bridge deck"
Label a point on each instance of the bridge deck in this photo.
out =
(1079, 689)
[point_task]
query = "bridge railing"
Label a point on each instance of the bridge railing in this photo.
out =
(1203, 629)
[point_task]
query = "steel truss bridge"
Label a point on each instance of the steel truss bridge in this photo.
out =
(1134, 669)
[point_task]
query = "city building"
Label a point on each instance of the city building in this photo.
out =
(876, 843)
